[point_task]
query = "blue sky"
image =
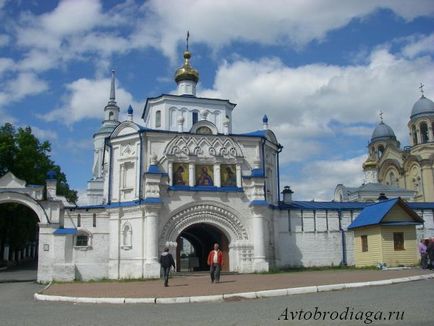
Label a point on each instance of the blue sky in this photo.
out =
(320, 70)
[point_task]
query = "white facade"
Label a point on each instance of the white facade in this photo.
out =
(184, 176)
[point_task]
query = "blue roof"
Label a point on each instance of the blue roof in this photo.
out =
(324, 205)
(258, 202)
(153, 169)
(257, 133)
(374, 214)
(63, 231)
(258, 173)
(206, 188)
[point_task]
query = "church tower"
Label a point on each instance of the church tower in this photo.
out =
(95, 186)
(419, 164)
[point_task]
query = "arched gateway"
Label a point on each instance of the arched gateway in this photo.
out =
(205, 223)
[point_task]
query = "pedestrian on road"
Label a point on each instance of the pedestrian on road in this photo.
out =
(430, 251)
(423, 254)
(215, 262)
(166, 261)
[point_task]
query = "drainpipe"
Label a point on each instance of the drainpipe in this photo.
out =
(109, 199)
(140, 167)
(263, 165)
(344, 245)
(279, 150)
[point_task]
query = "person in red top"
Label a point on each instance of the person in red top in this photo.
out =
(215, 262)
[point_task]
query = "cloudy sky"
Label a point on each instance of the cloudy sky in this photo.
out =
(321, 70)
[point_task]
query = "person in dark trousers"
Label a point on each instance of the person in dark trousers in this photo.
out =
(215, 262)
(430, 252)
(166, 261)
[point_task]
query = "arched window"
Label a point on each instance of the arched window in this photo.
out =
(380, 151)
(94, 220)
(204, 131)
(414, 132)
(158, 119)
(195, 117)
(78, 220)
(424, 133)
(83, 239)
(392, 179)
(111, 115)
(126, 236)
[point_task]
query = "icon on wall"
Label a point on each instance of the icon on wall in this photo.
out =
(228, 175)
(204, 175)
(180, 174)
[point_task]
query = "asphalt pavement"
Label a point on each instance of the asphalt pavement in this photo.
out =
(412, 301)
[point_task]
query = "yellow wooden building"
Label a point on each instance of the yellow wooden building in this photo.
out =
(385, 233)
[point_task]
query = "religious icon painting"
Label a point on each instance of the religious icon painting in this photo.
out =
(228, 174)
(180, 174)
(204, 175)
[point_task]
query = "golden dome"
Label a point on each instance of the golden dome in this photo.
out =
(369, 163)
(186, 72)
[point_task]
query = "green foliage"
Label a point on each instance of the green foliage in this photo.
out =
(29, 159)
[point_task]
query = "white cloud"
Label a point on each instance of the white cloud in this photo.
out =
(301, 102)
(319, 178)
(218, 23)
(422, 45)
(23, 85)
(44, 134)
(6, 64)
(87, 98)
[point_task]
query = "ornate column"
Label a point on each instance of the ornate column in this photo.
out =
(152, 266)
(239, 185)
(427, 177)
(217, 180)
(259, 262)
(191, 176)
(430, 134)
(170, 172)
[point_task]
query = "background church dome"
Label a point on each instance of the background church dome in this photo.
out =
(383, 131)
(422, 105)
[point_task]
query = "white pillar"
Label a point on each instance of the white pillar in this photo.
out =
(260, 265)
(152, 266)
(191, 176)
(239, 176)
(217, 179)
(430, 134)
(170, 172)
(6, 253)
(151, 236)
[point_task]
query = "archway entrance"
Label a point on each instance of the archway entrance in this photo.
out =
(194, 244)
(19, 230)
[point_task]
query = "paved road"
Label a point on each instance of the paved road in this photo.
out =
(415, 299)
(25, 271)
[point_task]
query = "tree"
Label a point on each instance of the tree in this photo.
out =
(29, 159)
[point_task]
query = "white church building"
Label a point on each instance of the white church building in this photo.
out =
(182, 175)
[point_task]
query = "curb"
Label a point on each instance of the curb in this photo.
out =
(233, 296)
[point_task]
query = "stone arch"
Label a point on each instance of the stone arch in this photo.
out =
(26, 200)
(215, 214)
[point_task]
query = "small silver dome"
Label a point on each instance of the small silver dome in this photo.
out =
(422, 105)
(383, 131)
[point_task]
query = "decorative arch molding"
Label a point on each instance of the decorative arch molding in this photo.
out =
(26, 200)
(410, 161)
(389, 165)
(125, 128)
(203, 146)
(207, 212)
